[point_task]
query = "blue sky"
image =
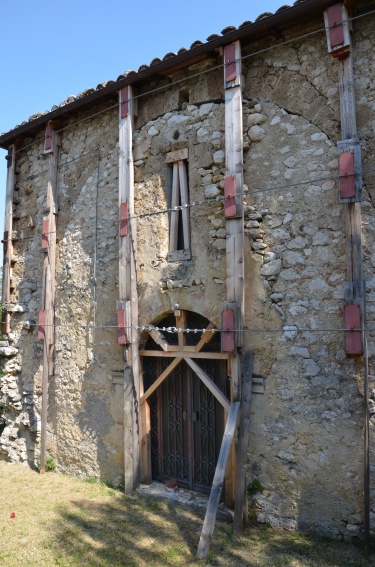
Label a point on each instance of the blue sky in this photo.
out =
(51, 50)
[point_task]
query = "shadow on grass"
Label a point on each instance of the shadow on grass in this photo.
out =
(127, 532)
(135, 532)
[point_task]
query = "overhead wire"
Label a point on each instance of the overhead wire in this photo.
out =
(201, 202)
(205, 201)
(290, 329)
(198, 74)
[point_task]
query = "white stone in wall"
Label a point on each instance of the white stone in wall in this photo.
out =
(275, 120)
(256, 119)
(290, 129)
(272, 268)
(256, 133)
(211, 191)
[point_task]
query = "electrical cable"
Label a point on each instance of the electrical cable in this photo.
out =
(202, 202)
(286, 329)
(200, 73)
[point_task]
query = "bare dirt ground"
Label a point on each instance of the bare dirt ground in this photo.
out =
(62, 520)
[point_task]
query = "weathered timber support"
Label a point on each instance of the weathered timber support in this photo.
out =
(217, 484)
(8, 232)
(240, 509)
(339, 45)
(128, 288)
(233, 212)
(51, 146)
(339, 29)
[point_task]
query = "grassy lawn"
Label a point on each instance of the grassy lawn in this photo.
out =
(62, 520)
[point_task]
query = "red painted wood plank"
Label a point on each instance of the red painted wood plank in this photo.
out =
(230, 196)
(45, 233)
(121, 331)
(124, 102)
(346, 167)
(230, 62)
(41, 324)
(124, 218)
(353, 339)
(227, 336)
(48, 138)
(336, 34)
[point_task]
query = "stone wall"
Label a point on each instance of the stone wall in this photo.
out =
(307, 427)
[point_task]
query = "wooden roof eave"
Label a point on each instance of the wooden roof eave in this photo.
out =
(280, 21)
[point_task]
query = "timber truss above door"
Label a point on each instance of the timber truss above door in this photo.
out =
(188, 353)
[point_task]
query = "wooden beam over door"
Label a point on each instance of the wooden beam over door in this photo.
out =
(209, 383)
(163, 376)
(184, 353)
(128, 287)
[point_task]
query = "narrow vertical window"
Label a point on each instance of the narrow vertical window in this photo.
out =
(179, 220)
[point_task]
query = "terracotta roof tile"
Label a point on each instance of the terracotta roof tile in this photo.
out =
(156, 61)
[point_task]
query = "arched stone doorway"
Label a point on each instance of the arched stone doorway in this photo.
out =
(185, 400)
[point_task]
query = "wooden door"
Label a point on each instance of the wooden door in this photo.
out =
(187, 423)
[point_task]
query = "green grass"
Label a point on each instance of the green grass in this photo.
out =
(70, 522)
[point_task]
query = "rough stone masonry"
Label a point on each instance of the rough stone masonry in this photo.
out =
(307, 408)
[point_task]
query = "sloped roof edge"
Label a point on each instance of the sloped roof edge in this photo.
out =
(265, 25)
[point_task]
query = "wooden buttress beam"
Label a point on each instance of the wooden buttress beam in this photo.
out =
(8, 230)
(340, 45)
(128, 289)
(209, 383)
(217, 484)
(241, 506)
(49, 269)
(234, 168)
(234, 224)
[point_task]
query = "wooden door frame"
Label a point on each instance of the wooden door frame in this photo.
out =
(179, 353)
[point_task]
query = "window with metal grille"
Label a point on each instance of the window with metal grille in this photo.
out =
(179, 218)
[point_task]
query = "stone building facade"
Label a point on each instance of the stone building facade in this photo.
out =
(101, 269)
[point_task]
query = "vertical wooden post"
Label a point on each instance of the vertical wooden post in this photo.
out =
(240, 510)
(339, 45)
(234, 168)
(128, 289)
(52, 145)
(234, 215)
(8, 228)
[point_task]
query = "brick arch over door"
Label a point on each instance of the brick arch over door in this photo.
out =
(185, 400)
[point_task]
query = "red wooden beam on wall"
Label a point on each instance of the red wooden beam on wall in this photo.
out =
(121, 330)
(336, 29)
(124, 218)
(230, 62)
(228, 341)
(353, 338)
(124, 102)
(45, 233)
(346, 168)
(48, 138)
(230, 189)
